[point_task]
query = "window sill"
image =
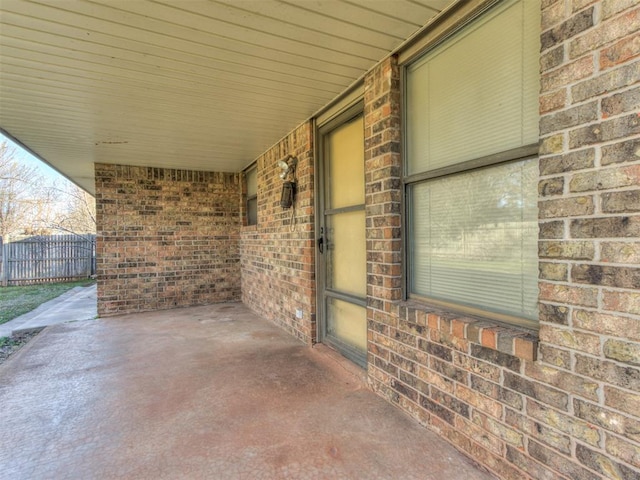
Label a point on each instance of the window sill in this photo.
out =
(511, 340)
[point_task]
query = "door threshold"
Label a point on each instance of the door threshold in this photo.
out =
(338, 363)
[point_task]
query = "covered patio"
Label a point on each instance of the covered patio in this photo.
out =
(444, 191)
(203, 392)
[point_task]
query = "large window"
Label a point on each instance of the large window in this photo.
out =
(251, 179)
(471, 167)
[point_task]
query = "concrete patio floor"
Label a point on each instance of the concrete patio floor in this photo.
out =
(210, 392)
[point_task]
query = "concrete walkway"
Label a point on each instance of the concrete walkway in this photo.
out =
(211, 392)
(79, 303)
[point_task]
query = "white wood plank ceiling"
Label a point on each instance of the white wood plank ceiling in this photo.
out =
(194, 84)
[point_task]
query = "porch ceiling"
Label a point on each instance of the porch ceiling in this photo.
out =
(192, 84)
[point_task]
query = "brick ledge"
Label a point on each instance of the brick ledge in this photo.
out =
(509, 339)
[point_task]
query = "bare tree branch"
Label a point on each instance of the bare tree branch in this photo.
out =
(80, 215)
(30, 205)
(21, 193)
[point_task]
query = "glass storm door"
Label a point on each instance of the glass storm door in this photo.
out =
(341, 244)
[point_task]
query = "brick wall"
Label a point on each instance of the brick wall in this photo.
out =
(166, 238)
(565, 404)
(277, 259)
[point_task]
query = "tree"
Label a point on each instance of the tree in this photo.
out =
(31, 205)
(23, 196)
(79, 215)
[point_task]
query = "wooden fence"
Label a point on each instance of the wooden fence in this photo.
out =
(47, 259)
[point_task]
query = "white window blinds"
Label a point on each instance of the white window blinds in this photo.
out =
(477, 93)
(473, 235)
(474, 239)
(251, 177)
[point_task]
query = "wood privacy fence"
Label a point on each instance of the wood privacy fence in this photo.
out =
(47, 259)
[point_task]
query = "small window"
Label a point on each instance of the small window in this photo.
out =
(251, 179)
(471, 167)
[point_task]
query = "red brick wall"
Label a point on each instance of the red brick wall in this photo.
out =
(565, 404)
(277, 263)
(166, 238)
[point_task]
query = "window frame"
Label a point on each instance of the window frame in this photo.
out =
(524, 152)
(252, 197)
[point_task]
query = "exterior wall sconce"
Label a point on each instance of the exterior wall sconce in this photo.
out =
(288, 173)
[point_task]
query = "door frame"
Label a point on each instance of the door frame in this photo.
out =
(322, 131)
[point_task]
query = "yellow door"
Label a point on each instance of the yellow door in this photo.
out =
(342, 245)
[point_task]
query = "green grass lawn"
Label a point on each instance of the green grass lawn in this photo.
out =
(15, 301)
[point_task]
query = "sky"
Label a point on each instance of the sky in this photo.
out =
(26, 158)
(49, 178)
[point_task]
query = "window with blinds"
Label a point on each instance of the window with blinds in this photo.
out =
(471, 171)
(251, 179)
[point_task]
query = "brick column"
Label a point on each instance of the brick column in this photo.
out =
(589, 224)
(383, 195)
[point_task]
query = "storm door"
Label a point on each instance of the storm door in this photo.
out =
(342, 288)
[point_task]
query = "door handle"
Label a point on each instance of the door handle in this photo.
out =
(321, 244)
